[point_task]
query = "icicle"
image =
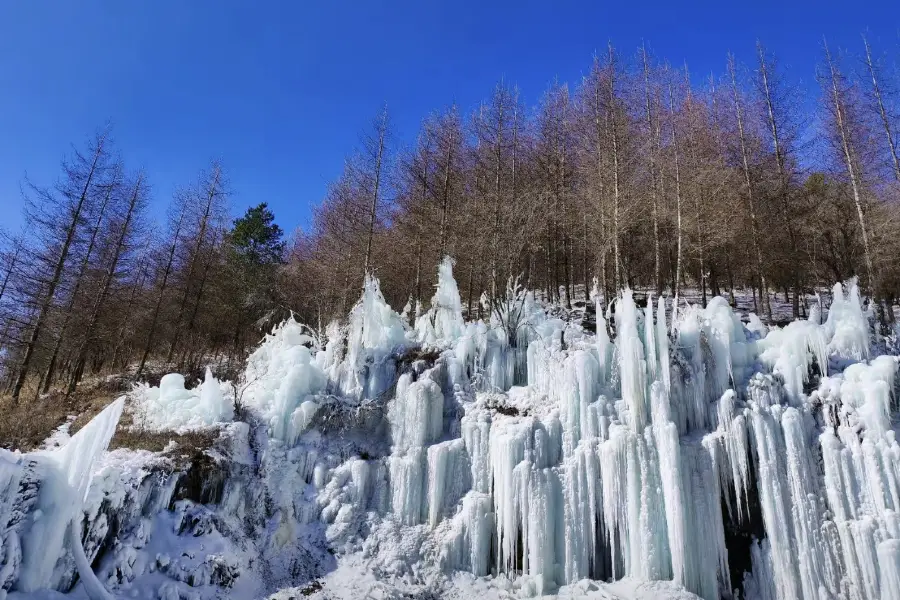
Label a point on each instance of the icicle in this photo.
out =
(604, 346)
(650, 342)
(416, 414)
(632, 365)
(449, 477)
(662, 339)
(408, 486)
(846, 325)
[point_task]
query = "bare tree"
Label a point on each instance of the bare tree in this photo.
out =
(177, 223)
(837, 92)
(651, 155)
(374, 146)
(136, 204)
(778, 126)
(672, 116)
(751, 206)
(72, 199)
(882, 111)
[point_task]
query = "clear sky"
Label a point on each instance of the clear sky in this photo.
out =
(279, 91)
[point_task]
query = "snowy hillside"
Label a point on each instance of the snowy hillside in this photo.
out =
(664, 457)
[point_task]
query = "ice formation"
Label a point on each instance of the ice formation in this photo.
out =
(444, 320)
(524, 453)
(65, 477)
(171, 407)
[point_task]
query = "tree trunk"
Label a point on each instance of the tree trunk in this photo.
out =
(110, 275)
(783, 182)
(41, 315)
(852, 174)
(657, 284)
(204, 222)
(154, 320)
(677, 282)
(876, 92)
(747, 180)
(445, 199)
(44, 386)
(203, 279)
(373, 207)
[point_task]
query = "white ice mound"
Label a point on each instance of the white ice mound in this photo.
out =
(281, 381)
(847, 327)
(373, 334)
(171, 407)
(444, 320)
(844, 338)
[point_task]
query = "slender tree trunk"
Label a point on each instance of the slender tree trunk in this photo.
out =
(851, 173)
(44, 386)
(730, 276)
(474, 266)
(10, 269)
(110, 275)
(201, 237)
(764, 292)
(584, 256)
(782, 179)
(41, 315)
(445, 197)
(657, 284)
(876, 92)
(515, 163)
(614, 141)
(373, 206)
(562, 198)
(602, 209)
(154, 319)
(417, 286)
(677, 282)
(206, 267)
(345, 290)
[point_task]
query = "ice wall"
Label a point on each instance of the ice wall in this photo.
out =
(717, 456)
(646, 436)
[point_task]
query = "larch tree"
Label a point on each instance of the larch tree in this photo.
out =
(56, 218)
(877, 98)
(840, 106)
(739, 114)
(374, 156)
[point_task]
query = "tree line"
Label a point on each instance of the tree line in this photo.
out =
(640, 175)
(92, 285)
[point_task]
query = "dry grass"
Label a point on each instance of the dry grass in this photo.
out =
(189, 444)
(25, 426)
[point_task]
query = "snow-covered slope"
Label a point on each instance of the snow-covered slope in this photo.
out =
(519, 457)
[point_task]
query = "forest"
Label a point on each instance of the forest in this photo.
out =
(641, 175)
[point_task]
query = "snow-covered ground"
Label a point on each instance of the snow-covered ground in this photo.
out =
(673, 454)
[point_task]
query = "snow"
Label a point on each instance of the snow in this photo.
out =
(171, 407)
(516, 457)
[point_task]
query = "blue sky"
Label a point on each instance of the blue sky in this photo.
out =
(280, 91)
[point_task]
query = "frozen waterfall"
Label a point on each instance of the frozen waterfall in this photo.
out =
(736, 461)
